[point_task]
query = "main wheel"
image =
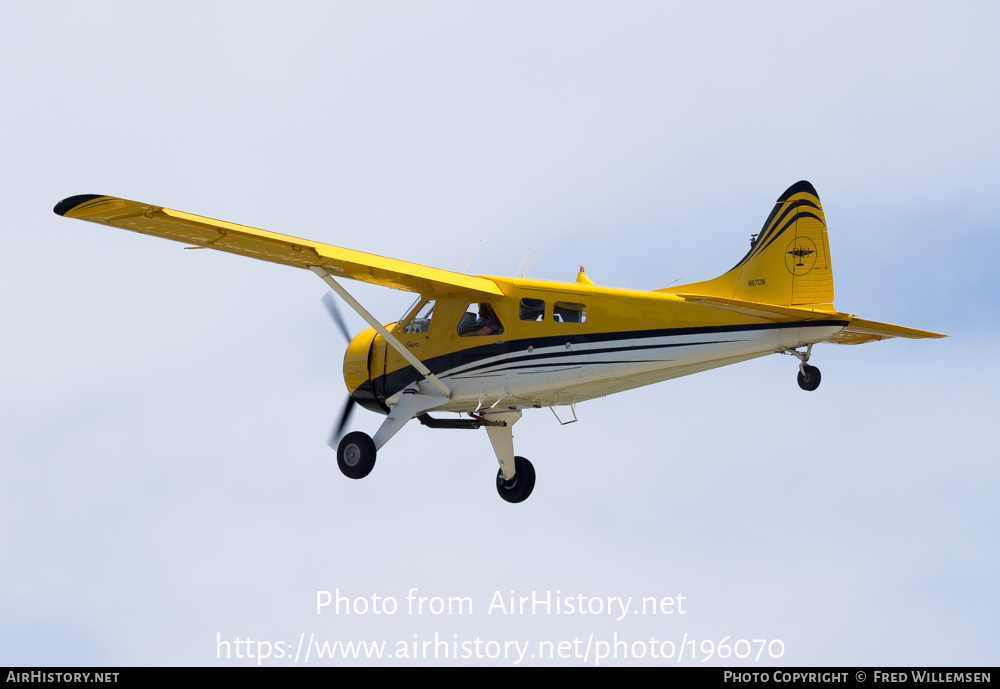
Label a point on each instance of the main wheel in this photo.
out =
(809, 377)
(356, 455)
(518, 488)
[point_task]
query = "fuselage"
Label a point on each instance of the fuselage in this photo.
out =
(552, 343)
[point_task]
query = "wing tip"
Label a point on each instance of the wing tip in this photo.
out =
(68, 204)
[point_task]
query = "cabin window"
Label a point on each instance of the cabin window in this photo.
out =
(569, 312)
(531, 310)
(479, 319)
(421, 320)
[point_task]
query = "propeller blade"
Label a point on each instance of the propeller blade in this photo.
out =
(338, 430)
(330, 302)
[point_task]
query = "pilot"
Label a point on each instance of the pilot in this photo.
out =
(487, 324)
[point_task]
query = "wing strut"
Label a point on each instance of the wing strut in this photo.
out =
(380, 329)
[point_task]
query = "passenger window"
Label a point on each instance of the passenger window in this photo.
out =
(568, 312)
(421, 321)
(479, 319)
(531, 310)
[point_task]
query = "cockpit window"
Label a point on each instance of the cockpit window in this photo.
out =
(568, 312)
(479, 319)
(421, 320)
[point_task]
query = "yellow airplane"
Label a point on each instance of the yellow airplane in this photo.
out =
(489, 347)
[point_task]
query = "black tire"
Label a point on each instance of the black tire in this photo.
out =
(809, 377)
(356, 455)
(518, 488)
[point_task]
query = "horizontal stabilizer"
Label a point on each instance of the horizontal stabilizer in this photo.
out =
(861, 331)
(753, 308)
(858, 330)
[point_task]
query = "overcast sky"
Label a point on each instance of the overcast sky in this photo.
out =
(164, 412)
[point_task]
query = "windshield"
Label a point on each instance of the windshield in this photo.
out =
(421, 321)
(402, 319)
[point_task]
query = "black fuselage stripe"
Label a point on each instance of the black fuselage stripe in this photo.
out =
(543, 356)
(453, 363)
(557, 368)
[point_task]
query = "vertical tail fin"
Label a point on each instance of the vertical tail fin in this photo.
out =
(789, 259)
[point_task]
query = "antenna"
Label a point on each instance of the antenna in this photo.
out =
(529, 263)
(522, 262)
(470, 257)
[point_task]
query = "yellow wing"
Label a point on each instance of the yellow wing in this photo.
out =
(270, 246)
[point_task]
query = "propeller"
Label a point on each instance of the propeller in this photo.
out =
(330, 302)
(338, 431)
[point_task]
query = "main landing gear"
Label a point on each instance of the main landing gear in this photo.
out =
(515, 479)
(809, 376)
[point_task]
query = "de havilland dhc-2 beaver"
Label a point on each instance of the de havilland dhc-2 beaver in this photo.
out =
(489, 347)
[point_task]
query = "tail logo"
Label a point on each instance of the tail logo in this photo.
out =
(800, 256)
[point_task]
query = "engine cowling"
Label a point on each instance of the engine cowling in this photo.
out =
(359, 358)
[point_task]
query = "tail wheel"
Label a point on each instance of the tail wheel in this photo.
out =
(518, 488)
(808, 377)
(356, 455)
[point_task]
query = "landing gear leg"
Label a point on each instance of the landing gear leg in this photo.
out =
(809, 376)
(516, 477)
(356, 452)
